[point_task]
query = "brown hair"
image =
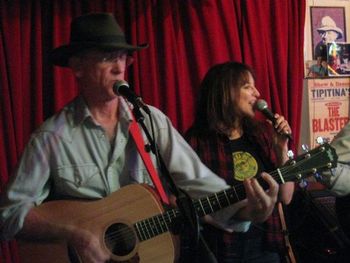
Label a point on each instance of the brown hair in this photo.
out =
(216, 110)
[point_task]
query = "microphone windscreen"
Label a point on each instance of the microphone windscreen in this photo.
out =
(261, 105)
(118, 84)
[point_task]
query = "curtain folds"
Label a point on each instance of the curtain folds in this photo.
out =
(186, 38)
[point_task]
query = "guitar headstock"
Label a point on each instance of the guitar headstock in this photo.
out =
(310, 163)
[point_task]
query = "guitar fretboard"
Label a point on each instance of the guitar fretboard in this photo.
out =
(162, 223)
(322, 157)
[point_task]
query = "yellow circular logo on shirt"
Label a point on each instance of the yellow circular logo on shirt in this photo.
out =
(245, 166)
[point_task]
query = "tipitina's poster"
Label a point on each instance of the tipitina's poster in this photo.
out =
(328, 107)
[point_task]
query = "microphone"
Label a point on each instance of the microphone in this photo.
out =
(261, 105)
(121, 88)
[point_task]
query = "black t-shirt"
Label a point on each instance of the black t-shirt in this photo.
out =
(248, 161)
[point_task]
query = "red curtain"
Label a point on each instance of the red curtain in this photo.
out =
(185, 37)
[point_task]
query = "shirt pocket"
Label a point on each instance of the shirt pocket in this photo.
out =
(77, 180)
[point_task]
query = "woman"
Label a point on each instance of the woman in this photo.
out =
(236, 146)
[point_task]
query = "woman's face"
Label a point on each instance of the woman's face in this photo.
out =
(247, 97)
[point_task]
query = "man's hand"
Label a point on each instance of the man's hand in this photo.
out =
(87, 247)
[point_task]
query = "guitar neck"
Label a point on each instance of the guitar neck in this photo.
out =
(217, 201)
(318, 159)
(161, 223)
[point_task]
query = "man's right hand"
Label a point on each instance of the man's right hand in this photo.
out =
(86, 247)
(40, 228)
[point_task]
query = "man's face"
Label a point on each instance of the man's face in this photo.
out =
(328, 36)
(97, 71)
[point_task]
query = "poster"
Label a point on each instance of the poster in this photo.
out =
(328, 101)
(327, 26)
(338, 55)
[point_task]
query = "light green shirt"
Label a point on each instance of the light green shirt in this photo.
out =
(339, 179)
(70, 156)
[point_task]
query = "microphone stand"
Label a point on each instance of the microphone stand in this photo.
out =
(183, 200)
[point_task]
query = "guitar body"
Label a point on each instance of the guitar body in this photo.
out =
(105, 217)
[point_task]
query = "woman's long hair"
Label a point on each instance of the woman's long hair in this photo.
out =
(216, 108)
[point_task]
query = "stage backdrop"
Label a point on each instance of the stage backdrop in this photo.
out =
(185, 37)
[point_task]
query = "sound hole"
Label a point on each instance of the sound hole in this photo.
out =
(120, 239)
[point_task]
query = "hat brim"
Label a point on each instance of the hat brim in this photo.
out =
(60, 56)
(335, 29)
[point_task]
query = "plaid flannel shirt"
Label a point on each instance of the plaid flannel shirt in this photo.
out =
(215, 152)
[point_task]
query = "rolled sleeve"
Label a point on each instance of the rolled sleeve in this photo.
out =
(27, 188)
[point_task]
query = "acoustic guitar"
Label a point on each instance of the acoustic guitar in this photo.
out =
(132, 225)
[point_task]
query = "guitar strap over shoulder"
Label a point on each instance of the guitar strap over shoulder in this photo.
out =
(140, 144)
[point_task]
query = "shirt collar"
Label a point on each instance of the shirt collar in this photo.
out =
(81, 111)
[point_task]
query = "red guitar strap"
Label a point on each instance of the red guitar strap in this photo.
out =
(140, 144)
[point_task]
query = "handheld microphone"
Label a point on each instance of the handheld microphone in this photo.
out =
(121, 88)
(261, 105)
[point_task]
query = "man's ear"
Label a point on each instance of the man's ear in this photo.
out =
(129, 60)
(75, 64)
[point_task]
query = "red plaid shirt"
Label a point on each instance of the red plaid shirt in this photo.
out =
(215, 151)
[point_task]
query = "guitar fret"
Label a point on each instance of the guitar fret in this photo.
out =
(214, 203)
(139, 233)
(164, 220)
(142, 230)
(174, 213)
(218, 200)
(154, 227)
(149, 223)
(280, 176)
(157, 225)
(211, 208)
(147, 234)
(228, 200)
(168, 214)
(235, 192)
(221, 197)
(201, 205)
(161, 224)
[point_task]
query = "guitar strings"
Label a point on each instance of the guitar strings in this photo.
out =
(148, 228)
(239, 188)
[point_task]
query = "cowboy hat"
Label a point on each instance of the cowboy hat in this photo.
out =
(95, 30)
(328, 24)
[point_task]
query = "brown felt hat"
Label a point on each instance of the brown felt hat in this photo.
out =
(95, 30)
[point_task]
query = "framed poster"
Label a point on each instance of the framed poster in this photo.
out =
(327, 26)
(338, 55)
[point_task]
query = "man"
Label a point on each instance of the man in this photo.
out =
(85, 150)
(329, 32)
(319, 69)
(338, 180)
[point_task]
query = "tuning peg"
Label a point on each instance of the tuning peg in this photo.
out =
(305, 147)
(318, 176)
(290, 154)
(320, 140)
(303, 183)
